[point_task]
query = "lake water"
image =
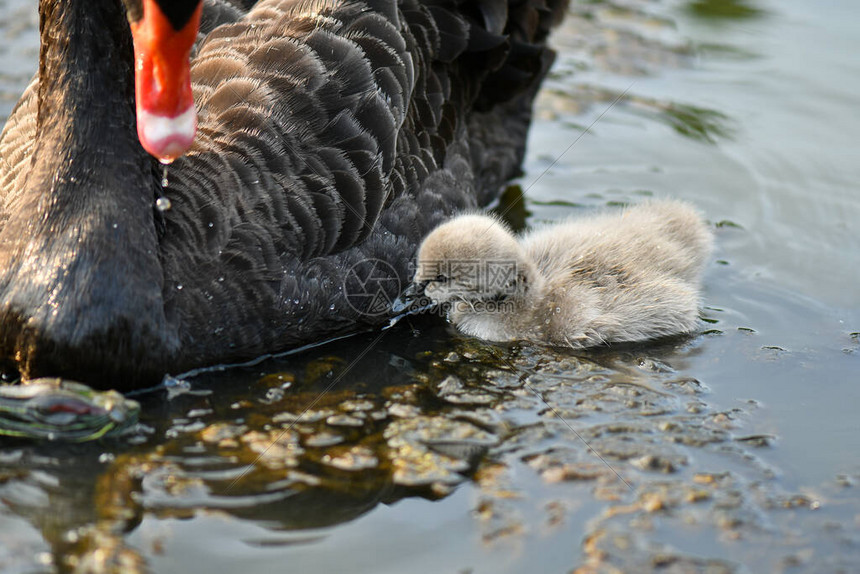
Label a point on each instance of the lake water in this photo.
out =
(425, 451)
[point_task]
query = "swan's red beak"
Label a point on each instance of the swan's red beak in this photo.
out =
(166, 118)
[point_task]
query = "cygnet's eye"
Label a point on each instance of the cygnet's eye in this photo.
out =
(441, 278)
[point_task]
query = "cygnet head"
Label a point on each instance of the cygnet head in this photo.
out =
(473, 259)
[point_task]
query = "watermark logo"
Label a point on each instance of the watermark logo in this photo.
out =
(480, 307)
(496, 276)
(370, 287)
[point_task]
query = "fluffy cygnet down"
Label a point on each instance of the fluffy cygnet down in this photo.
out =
(621, 276)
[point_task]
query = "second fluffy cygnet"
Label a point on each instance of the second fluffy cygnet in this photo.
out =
(622, 276)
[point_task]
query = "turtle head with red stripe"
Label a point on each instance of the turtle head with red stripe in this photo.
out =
(164, 32)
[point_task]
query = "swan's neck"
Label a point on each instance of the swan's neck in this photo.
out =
(87, 162)
(85, 63)
(80, 274)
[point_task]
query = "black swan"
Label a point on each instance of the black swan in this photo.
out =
(331, 136)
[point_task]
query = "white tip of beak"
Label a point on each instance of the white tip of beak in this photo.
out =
(166, 137)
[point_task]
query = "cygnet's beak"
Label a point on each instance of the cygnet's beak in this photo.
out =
(412, 299)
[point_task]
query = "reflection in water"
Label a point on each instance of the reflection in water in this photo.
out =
(622, 40)
(50, 409)
(422, 411)
(693, 122)
(724, 9)
(512, 208)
